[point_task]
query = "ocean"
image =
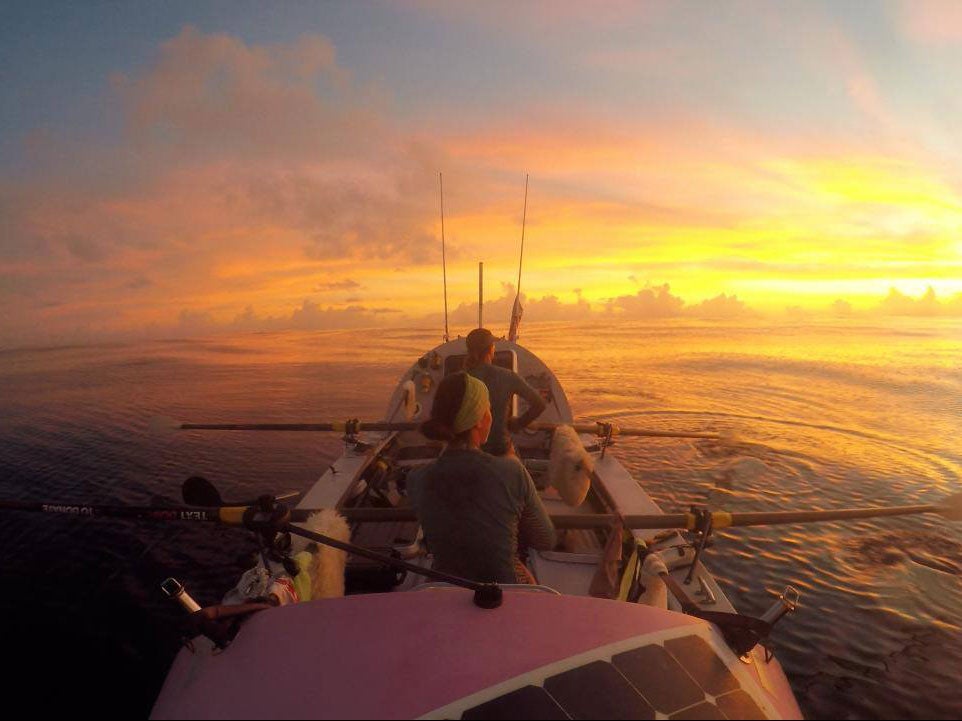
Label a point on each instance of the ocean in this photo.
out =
(860, 412)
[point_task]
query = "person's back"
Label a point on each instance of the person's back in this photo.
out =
(503, 385)
(475, 509)
(472, 507)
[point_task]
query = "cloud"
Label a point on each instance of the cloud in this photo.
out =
(927, 305)
(234, 174)
(841, 308)
(309, 315)
(240, 169)
(196, 322)
(651, 302)
(720, 307)
(932, 22)
(140, 282)
(498, 310)
(345, 284)
(210, 95)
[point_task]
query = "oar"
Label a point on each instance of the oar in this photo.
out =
(601, 428)
(228, 515)
(950, 509)
(160, 424)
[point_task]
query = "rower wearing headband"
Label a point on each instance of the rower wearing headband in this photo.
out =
(476, 510)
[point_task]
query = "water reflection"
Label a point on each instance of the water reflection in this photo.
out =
(821, 416)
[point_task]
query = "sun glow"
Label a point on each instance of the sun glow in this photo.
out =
(204, 212)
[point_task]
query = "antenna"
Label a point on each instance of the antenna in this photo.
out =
(524, 218)
(480, 292)
(444, 263)
(517, 310)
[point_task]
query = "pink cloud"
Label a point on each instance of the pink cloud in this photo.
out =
(932, 22)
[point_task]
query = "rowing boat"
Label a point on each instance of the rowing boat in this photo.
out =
(625, 620)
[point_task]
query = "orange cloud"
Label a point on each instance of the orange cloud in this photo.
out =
(927, 305)
(265, 176)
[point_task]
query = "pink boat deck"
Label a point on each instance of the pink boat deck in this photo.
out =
(404, 655)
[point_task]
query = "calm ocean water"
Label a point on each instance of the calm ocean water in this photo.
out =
(824, 416)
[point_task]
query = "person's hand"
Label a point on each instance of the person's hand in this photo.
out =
(514, 425)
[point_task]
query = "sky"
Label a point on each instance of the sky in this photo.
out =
(180, 168)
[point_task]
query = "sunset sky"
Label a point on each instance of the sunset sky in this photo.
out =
(171, 168)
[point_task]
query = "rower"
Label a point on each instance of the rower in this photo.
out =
(476, 510)
(503, 384)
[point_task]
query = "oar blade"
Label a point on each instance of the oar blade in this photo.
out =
(951, 508)
(162, 425)
(198, 491)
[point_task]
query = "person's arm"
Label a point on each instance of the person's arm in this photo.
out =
(535, 529)
(536, 405)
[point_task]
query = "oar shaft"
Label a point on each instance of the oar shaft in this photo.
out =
(234, 515)
(337, 427)
(341, 427)
(601, 429)
(135, 512)
(721, 520)
(560, 520)
(666, 434)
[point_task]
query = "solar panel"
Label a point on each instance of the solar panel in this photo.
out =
(597, 690)
(684, 679)
(659, 678)
(703, 664)
(527, 702)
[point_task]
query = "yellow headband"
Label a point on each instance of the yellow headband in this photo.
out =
(474, 405)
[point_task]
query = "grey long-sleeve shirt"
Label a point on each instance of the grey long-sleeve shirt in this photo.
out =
(473, 508)
(503, 385)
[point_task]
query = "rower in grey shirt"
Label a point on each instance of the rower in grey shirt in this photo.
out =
(503, 384)
(476, 510)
